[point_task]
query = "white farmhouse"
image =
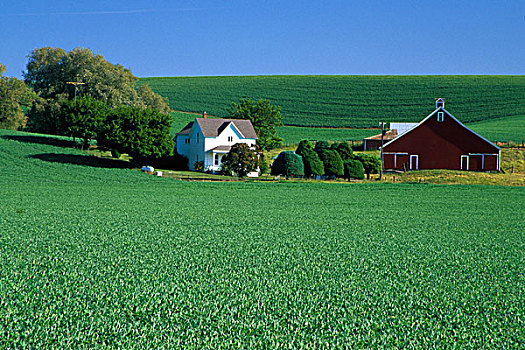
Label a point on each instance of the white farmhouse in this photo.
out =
(208, 140)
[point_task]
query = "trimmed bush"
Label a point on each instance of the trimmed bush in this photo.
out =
(319, 145)
(288, 163)
(371, 163)
(344, 150)
(332, 162)
(354, 170)
(312, 163)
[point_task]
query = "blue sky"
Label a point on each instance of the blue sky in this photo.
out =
(195, 38)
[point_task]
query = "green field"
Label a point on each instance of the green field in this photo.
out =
(291, 134)
(93, 254)
(294, 134)
(501, 129)
(351, 101)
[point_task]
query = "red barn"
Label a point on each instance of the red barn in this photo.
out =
(440, 141)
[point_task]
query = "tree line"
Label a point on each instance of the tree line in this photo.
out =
(80, 94)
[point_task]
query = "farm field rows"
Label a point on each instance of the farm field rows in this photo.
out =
(94, 255)
(351, 101)
(501, 129)
(291, 134)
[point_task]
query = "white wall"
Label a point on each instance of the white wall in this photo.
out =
(194, 148)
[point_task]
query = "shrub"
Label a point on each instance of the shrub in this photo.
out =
(240, 160)
(199, 166)
(354, 170)
(344, 150)
(371, 163)
(312, 163)
(332, 162)
(263, 165)
(319, 145)
(288, 163)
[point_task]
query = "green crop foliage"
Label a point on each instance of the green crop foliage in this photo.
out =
(501, 129)
(351, 101)
(93, 255)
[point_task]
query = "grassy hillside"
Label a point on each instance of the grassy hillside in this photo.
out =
(351, 101)
(291, 134)
(97, 255)
(501, 129)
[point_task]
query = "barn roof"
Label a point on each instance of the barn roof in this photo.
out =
(429, 116)
(389, 135)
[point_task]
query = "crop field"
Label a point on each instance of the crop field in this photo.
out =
(291, 134)
(93, 254)
(294, 134)
(501, 129)
(351, 101)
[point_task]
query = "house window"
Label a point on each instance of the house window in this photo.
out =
(197, 137)
(230, 138)
(441, 116)
(216, 159)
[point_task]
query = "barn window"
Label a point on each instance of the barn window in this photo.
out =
(441, 116)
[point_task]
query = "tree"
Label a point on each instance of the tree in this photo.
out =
(312, 163)
(319, 145)
(354, 169)
(14, 97)
(83, 118)
(144, 134)
(240, 160)
(332, 162)
(371, 163)
(50, 70)
(265, 118)
(304, 145)
(344, 150)
(288, 163)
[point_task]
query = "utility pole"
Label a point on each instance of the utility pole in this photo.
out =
(383, 131)
(76, 84)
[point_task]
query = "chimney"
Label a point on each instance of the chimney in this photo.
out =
(440, 103)
(204, 115)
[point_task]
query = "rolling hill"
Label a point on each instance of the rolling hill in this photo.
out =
(351, 101)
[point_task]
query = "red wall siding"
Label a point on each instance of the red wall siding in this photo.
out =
(440, 145)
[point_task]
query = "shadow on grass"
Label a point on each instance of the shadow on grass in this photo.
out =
(43, 140)
(78, 159)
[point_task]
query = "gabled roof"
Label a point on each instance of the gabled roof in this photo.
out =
(429, 116)
(214, 127)
(186, 129)
(389, 135)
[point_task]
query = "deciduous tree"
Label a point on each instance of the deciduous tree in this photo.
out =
(50, 71)
(14, 96)
(144, 134)
(371, 163)
(265, 119)
(240, 160)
